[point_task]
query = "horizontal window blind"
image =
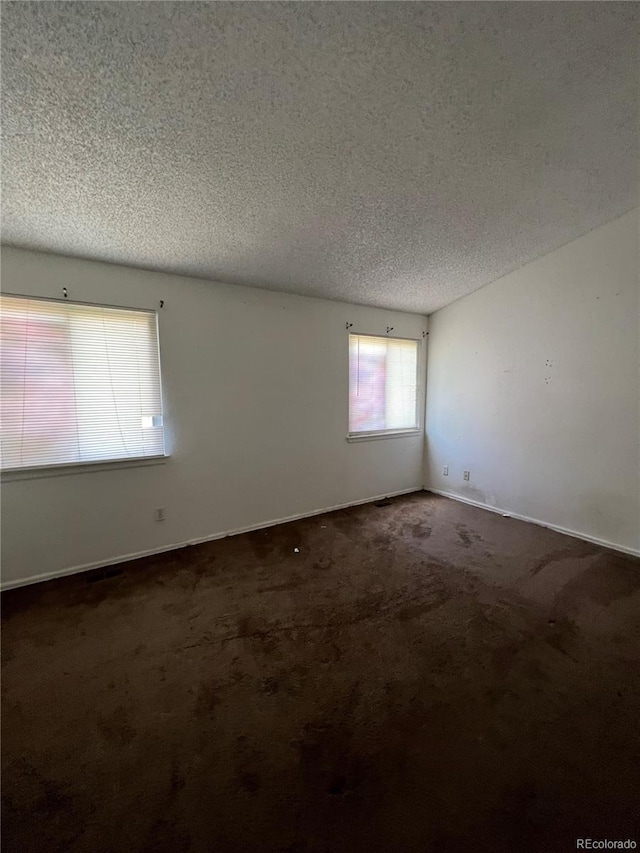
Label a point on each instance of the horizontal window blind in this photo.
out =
(80, 383)
(383, 384)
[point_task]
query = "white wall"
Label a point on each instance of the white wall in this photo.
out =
(256, 390)
(533, 386)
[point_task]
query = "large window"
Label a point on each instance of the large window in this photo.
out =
(80, 383)
(383, 385)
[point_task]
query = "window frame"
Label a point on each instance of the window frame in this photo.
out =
(374, 435)
(54, 469)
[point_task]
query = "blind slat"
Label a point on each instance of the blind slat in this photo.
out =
(383, 384)
(79, 383)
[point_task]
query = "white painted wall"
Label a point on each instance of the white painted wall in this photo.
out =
(533, 386)
(256, 391)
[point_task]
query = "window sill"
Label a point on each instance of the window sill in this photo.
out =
(374, 436)
(79, 468)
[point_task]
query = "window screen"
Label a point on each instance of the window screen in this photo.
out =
(383, 384)
(80, 383)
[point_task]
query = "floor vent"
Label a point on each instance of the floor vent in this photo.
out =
(103, 574)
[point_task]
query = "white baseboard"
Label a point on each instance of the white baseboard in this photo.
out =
(125, 558)
(585, 536)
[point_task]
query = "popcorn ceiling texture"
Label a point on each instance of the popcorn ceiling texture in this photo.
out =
(394, 154)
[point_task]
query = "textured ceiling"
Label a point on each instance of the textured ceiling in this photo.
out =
(392, 154)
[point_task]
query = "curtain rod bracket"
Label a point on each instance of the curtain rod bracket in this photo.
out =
(348, 325)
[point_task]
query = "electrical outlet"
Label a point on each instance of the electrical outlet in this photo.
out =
(159, 513)
(467, 475)
(445, 471)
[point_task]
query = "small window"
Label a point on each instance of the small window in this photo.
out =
(383, 385)
(80, 383)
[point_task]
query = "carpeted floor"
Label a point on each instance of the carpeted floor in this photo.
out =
(422, 676)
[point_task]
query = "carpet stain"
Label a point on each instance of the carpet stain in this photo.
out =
(465, 536)
(115, 727)
(420, 531)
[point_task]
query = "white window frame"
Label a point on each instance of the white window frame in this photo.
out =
(58, 469)
(374, 435)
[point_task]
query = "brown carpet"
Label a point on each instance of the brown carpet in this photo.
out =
(422, 676)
